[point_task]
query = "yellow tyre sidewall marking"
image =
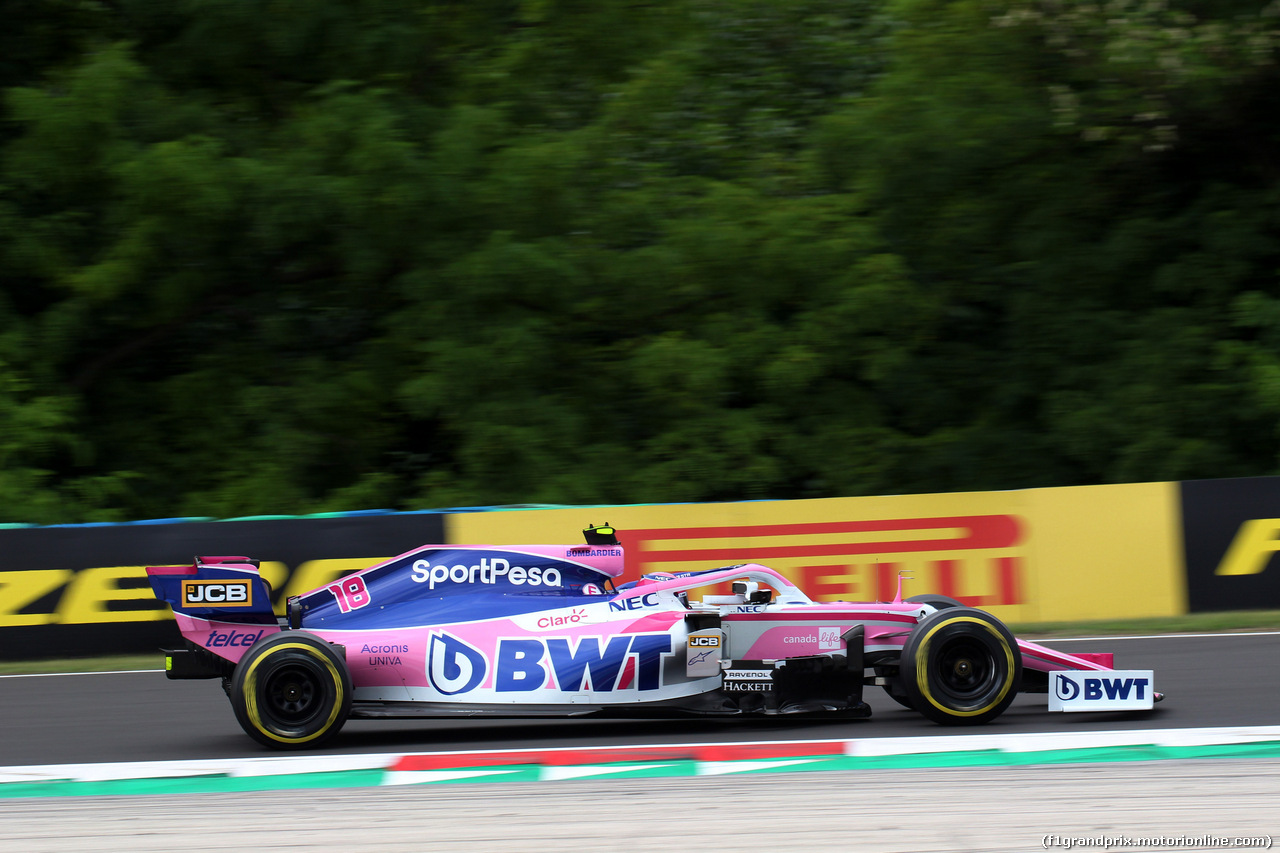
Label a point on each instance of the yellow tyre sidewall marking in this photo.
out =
(251, 692)
(922, 658)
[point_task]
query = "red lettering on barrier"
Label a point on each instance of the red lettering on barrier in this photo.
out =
(976, 531)
(947, 579)
(1010, 590)
(1004, 573)
(886, 580)
(827, 582)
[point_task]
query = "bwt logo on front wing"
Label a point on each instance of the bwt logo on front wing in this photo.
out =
(217, 594)
(1114, 690)
(1098, 688)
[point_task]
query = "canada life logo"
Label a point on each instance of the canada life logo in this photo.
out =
(1065, 688)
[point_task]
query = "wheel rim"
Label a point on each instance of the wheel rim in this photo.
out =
(966, 670)
(292, 694)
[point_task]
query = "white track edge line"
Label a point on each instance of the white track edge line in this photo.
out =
(53, 674)
(1012, 742)
(1156, 637)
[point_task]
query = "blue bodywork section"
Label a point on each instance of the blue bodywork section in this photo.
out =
(212, 582)
(442, 585)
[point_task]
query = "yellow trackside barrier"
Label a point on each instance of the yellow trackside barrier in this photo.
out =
(1093, 552)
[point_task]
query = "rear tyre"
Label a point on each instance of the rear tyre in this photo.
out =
(291, 690)
(960, 667)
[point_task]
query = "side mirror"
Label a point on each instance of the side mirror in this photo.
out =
(752, 593)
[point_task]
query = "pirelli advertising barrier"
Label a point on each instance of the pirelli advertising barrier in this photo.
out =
(1027, 556)
(1231, 533)
(1038, 555)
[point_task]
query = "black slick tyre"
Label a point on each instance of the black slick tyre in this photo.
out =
(291, 690)
(960, 667)
(894, 690)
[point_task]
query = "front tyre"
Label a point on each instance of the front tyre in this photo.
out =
(291, 690)
(960, 667)
(894, 688)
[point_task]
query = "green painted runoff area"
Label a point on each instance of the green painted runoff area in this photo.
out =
(220, 783)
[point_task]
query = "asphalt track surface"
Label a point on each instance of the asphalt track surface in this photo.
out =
(1210, 680)
(1147, 806)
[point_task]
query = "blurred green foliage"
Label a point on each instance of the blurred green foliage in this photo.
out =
(270, 257)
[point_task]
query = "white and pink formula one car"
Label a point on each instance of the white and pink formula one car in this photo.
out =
(542, 630)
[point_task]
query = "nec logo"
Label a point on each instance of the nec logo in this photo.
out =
(217, 593)
(639, 602)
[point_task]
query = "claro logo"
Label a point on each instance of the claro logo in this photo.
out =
(224, 593)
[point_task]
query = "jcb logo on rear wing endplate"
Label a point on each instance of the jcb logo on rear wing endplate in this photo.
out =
(227, 593)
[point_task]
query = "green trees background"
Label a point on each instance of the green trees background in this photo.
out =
(260, 256)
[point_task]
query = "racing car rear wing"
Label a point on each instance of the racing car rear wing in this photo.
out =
(224, 588)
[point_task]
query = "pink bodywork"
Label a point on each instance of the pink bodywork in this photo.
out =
(887, 624)
(791, 626)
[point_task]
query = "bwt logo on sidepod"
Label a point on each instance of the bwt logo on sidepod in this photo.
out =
(525, 665)
(453, 666)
